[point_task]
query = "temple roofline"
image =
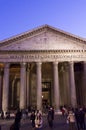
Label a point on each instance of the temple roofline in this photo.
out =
(39, 29)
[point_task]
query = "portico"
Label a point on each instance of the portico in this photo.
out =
(42, 65)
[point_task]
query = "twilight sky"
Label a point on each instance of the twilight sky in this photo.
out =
(18, 16)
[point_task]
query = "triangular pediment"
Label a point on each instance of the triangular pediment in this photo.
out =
(43, 38)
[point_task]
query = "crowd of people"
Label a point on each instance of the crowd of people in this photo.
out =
(35, 117)
(37, 120)
(75, 118)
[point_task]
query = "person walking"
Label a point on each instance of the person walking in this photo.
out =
(82, 118)
(71, 120)
(17, 120)
(77, 117)
(32, 118)
(16, 124)
(38, 120)
(50, 117)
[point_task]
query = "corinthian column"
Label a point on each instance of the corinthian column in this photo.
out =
(23, 86)
(56, 85)
(5, 88)
(84, 83)
(1, 81)
(72, 85)
(28, 87)
(39, 87)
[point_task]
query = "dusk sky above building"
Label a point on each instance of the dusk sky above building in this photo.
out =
(19, 16)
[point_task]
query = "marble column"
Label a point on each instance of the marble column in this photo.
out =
(84, 83)
(5, 88)
(23, 86)
(1, 82)
(72, 85)
(39, 86)
(56, 86)
(28, 87)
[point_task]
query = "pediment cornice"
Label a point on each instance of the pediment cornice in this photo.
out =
(40, 29)
(43, 51)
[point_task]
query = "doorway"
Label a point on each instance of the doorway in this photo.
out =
(46, 94)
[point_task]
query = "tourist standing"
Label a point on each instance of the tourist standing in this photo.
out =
(38, 120)
(32, 118)
(71, 120)
(16, 124)
(50, 117)
(18, 117)
(82, 118)
(77, 117)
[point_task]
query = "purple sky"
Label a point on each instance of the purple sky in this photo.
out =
(18, 16)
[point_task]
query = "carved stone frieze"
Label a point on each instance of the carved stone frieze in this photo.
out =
(43, 57)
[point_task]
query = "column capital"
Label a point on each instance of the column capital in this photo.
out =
(28, 67)
(23, 64)
(55, 63)
(71, 62)
(38, 63)
(7, 65)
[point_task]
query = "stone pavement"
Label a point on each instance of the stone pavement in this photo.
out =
(59, 124)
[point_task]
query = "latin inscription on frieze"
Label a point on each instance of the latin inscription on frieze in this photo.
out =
(41, 57)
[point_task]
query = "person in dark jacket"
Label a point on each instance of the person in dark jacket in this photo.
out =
(32, 118)
(17, 119)
(50, 117)
(77, 117)
(82, 118)
(16, 124)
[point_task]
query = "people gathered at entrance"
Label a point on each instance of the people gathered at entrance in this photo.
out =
(73, 117)
(76, 118)
(36, 119)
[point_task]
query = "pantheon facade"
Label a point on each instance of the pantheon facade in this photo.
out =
(42, 66)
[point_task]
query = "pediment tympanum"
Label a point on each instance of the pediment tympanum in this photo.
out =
(44, 38)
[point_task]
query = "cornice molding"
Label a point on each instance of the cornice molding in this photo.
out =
(40, 51)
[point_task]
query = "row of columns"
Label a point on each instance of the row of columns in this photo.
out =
(39, 86)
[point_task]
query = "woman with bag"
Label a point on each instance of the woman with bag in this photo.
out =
(71, 120)
(38, 119)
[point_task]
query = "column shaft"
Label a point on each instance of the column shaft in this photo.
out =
(39, 87)
(1, 82)
(56, 86)
(23, 86)
(5, 88)
(72, 85)
(28, 96)
(84, 83)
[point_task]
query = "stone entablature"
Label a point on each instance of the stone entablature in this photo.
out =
(43, 56)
